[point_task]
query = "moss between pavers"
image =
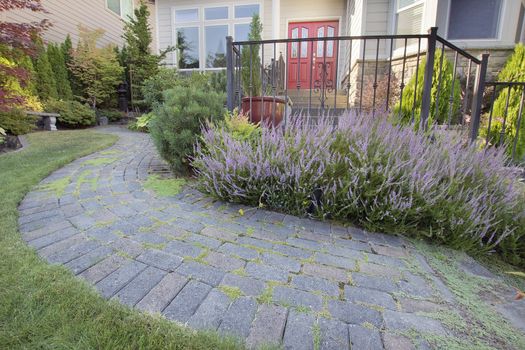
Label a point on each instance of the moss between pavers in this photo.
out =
(100, 161)
(164, 187)
(231, 291)
(58, 187)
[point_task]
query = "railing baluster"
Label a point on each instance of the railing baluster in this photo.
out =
(375, 81)
(273, 82)
(490, 115)
(465, 102)
(311, 76)
(349, 78)
(230, 73)
(428, 77)
(477, 97)
(518, 126)
(336, 51)
(251, 82)
(440, 80)
(505, 115)
(362, 77)
(402, 86)
(412, 120)
(239, 78)
(451, 99)
(263, 90)
(324, 72)
(286, 69)
(389, 74)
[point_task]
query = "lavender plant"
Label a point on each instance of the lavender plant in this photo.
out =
(378, 175)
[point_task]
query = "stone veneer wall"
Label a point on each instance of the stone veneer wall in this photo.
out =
(497, 60)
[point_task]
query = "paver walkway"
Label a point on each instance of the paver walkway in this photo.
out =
(264, 277)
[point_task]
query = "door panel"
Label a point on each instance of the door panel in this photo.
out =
(316, 60)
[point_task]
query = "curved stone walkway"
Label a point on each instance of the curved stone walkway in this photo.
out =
(265, 277)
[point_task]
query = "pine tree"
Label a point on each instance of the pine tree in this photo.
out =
(46, 84)
(139, 62)
(58, 65)
(67, 49)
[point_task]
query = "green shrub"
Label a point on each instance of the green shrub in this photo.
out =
(45, 78)
(404, 112)
(17, 122)
(251, 61)
(113, 115)
(72, 113)
(154, 86)
(240, 127)
(141, 123)
(58, 65)
(176, 123)
(514, 70)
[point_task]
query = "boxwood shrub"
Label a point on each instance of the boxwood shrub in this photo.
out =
(370, 172)
(73, 114)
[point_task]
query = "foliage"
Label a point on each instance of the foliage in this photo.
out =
(142, 123)
(57, 60)
(16, 121)
(67, 49)
(154, 86)
(513, 71)
(251, 60)
(96, 68)
(3, 134)
(25, 91)
(168, 78)
(45, 78)
(136, 55)
(238, 125)
(177, 122)
(384, 177)
(16, 41)
(382, 91)
(72, 113)
(113, 115)
(440, 116)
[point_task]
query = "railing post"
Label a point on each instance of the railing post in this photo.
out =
(229, 73)
(427, 78)
(477, 97)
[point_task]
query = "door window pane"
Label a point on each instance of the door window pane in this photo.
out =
(295, 35)
(304, 45)
(241, 32)
(189, 15)
(330, 44)
(114, 5)
(246, 11)
(474, 19)
(211, 13)
(320, 44)
(215, 39)
(188, 47)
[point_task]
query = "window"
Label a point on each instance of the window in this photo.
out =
(201, 33)
(212, 13)
(474, 19)
(246, 11)
(123, 8)
(188, 47)
(409, 16)
(216, 46)
(520, 31)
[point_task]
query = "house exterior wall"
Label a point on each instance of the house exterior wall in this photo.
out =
(67, 15)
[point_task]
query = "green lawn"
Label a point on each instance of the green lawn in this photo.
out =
(44, 306)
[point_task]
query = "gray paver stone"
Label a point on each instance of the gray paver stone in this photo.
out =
(160, 259)
(281, 262)
(140, 286)
(238, 318)
(328, 272)
(103, 268)
(353, 313)
(187, 301)
(372, 282)
(225, 262)
(363, 338)
(333, 334)
(247, 285)
(268, 326)
(87, 260)
(298, 298)
(237, 250)
(210, 312)
(404, 321)
(265, 272)
(335, 261)
(116, 280)
(313, 284)
(163, 293)
(369, 296)
(298, 333)
(205, 273)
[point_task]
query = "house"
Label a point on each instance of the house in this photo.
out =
(66, 15)
(476, 26)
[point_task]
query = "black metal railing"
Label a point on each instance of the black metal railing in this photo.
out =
(501, 121)
(328, 75)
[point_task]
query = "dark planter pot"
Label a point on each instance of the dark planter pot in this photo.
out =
(266, 109)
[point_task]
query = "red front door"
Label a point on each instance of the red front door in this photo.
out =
(312, 64)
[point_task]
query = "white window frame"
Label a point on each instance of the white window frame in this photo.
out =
(119, 15)
(398, 10)
(411, 47)
(202, 23)
(499, 31)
